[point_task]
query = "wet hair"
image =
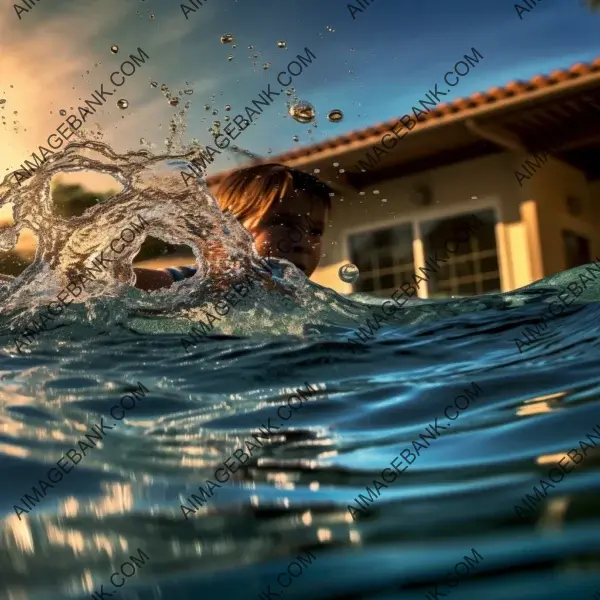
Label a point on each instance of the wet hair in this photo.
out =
(251, 192)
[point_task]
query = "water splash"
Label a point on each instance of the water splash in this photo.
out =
(335, 115)
(303, 112)
(349, 273)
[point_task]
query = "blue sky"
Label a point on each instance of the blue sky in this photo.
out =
(373, 67)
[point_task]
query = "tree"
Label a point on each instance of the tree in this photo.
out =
(71, 200)
(12, 263)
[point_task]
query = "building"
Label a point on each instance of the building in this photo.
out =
(523, 157)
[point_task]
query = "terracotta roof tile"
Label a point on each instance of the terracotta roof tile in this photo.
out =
(494, 94)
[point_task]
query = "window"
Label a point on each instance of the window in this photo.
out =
(577, 249)
(385, 257)
(473, 268)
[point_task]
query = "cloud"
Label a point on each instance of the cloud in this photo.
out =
(48, 64)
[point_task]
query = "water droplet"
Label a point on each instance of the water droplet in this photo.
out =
(2, 101)
(230, 58)
(215, 112)
(114, 48)
(349, 273)
(234, 45)
(174, 101)
(288, 92)
(217, 124)
(250, 47)
(296, 138)
(188, 92)
(227, 38)
(376, 192)
(143, 141)
(164, 88)
(63, 113)
(316, 170)
(228, 107)
(335, 115)
(269, 151)
(302, 111)
(152, 16)
(281, 44)
(266, 65)
(123, 104)
(154, 84)
(336, 164)
(227, 118)
(330, 29)
(207, 107)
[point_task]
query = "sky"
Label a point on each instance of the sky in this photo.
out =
(372, 65)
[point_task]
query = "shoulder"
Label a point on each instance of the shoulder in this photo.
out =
(181, 273)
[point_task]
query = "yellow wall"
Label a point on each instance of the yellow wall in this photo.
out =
(489, 180)
(548, 188)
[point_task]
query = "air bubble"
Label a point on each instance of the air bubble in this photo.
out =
(227, 38)
(123, 104)
(302, 111)
(282, 44)
(348, 273)
(114, 48)
(174, 101)
(335, 115)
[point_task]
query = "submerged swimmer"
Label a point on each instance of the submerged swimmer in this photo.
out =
(284, 209)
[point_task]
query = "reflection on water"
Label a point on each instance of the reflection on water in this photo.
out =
(290, 496)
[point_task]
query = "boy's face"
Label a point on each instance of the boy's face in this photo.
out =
(292, 229)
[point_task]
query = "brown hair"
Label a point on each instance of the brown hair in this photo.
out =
(252, 191)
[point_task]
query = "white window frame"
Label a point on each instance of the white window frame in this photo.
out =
(417, 216)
